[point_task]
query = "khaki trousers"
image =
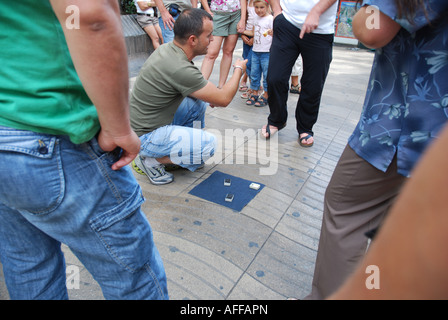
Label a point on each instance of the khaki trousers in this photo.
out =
(356, 201)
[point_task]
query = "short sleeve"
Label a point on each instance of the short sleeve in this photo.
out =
(189, 79)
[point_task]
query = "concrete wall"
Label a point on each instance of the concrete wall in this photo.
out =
(137, 41)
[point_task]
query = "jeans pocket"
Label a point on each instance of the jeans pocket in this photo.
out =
(125, 233)
(31, 172)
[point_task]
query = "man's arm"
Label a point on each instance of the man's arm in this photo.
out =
(99, 54)
(221, 97)
(312, 19)
(374, 37)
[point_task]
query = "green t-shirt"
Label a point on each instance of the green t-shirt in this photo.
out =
(39, 88)
(166, 78)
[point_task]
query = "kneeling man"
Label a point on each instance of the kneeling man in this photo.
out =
(169, 100)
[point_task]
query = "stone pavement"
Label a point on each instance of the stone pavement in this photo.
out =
(266, 251)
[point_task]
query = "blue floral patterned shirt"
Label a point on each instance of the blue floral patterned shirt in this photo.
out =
(406, 103)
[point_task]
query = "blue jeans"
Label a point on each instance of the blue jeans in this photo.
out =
(54, 192)
(183, 140)
(167, 34)
(259, 67)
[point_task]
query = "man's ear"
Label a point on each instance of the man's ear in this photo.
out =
(192, 40)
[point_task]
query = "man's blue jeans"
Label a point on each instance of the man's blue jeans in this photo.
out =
(183, 140)
(167, 34)
(54, 192)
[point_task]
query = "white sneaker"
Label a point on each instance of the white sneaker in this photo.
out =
(157, 174)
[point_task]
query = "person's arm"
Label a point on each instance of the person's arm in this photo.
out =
(409, 247)
(241, 26)
(312, 19)
(206, 7)
(247, 37)
(99, 55)
(145, 5)
(374, 37)
(249, 33)
(276, 8)
(221, 97)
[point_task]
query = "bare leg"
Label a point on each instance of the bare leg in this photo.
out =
(159, 33)
(164, 160)
(151, 31)
(210, 57)
(295, 81)
(227, 57)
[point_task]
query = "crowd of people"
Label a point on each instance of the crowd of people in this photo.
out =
(68, 123)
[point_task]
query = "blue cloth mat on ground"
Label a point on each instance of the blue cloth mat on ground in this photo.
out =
(214, 190)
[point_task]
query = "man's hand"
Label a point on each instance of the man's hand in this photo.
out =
(130, 144)
(312, 19)
(310, 24)
(168, 20)
(240, 63)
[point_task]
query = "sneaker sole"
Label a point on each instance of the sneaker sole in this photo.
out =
(137, 169)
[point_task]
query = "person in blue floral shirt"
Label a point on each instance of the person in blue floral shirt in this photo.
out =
(405, 108)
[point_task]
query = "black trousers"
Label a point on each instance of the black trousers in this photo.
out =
(317, 52)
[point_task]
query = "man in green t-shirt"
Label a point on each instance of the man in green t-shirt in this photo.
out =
(169, 100)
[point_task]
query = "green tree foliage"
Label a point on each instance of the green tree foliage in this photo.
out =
(127, 6)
